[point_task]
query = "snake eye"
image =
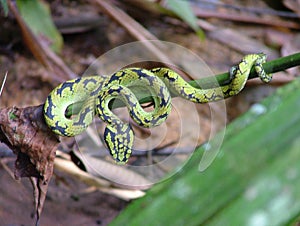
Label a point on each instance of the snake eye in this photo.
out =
(232, 72)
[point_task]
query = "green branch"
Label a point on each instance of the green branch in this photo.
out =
(273, 66)
(279, 64)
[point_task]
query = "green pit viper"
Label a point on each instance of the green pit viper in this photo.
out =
(96, 92)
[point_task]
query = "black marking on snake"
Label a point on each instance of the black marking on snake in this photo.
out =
(49, 108)
(154, 121)
(83, 116)
(155, 70)
(166, 75)
(262, 71)
(128, 130)
(122, 91)
(164, 101)
(238, 68)
(214, 97)
(136, 117)
(243, 61)
(97, 90)
(191, 96)
(147, 121)
(165, 115)
(116, 77)
(86, 81)
(118, 90)
(107, 132)
(62, 130)
(258, 64)
(141, 74)
(184, 94)
(66, 85)
(198, 99)
(104, 117)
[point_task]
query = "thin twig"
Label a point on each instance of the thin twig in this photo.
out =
(3, 83)
(136, 30)
(252, 10)
(201, 13)
(3, 163)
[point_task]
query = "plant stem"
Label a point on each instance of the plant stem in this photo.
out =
(273, 66)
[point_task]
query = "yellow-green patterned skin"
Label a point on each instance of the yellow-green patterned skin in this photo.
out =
(96, 93)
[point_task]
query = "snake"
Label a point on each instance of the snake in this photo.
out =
(95, 93)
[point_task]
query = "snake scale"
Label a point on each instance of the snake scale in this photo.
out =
(96, 92)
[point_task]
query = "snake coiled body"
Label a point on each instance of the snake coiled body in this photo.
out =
(96, 93)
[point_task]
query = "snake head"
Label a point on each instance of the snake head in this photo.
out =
(119, 140)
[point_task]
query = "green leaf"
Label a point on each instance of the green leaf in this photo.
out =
(36, 15)
(183, 10)
(254, 180)
(4, 6)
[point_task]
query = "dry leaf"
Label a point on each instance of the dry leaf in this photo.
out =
(25, 132)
